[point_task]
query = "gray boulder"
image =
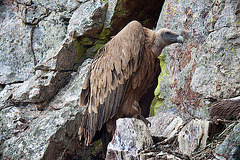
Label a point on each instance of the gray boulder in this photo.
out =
(46, 134)
(203, 70)
(88, 19)
(165, 125)
(131, 136)
(30, 29)
(193, 136)
(229, 148)
(16, 59)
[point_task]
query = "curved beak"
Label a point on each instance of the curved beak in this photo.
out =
(180, 39)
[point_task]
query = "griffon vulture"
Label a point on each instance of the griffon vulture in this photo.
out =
(119, 76)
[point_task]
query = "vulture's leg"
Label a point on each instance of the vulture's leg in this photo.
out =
(136, 106)
(139, 116)
(107, 134)
(104, 140)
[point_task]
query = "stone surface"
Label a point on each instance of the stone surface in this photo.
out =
(131, 136)
(229, 148)
(193, 136)
(42, 44)
(154, 155)
(202, 70)
(88, 19)
(29, 31)
(207, 65)
(62, 58)
(14, 39)
(40, 88)
(165, 124)
(49, 132)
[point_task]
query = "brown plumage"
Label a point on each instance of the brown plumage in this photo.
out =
(119, 76)
(226, 109)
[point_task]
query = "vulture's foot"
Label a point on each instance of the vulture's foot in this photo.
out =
(139, 116)
(137, 108)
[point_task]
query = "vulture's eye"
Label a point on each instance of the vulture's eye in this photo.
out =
(168, 33)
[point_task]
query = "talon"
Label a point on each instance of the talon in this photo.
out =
(149, 124)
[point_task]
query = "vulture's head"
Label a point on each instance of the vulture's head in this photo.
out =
(163, 38)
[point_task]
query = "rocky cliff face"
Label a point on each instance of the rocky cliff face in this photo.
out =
(206, 67)
(43, 45)
(45, 48)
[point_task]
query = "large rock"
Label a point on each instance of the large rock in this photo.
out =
(202, 70)
(62, 58)
(42, 45)
(229, 148)
(47, 134)
(193, 136)
(206, 66)
(30, 29)
(51, 74)
(131, 136)
(88, 19)
(16, 59)
(165, 125)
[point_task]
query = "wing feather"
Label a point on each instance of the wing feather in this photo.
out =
(108, 78)
(117, 65)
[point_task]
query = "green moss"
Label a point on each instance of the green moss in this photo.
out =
(98, 46)
(211, 20)
(103, 38)
(119, 9)
(93, 50)
(145, 22)
(87, 41)
(163, 66)
(104, 35)
(157, 101)
(80, 49)
(166, 10)
(106, 9)
(97, 147)
(154, 106)
(47, 10)
(163, 74)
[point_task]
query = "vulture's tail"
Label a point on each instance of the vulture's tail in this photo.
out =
(87, 129)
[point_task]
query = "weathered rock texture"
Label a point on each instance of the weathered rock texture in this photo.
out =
(229, 149)
(205, 68)
(193, 136)
(42, 45)
(207, 65)
(165, 125)
(44, 134)
(131, 136)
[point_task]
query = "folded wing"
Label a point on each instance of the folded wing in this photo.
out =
(107, 79)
